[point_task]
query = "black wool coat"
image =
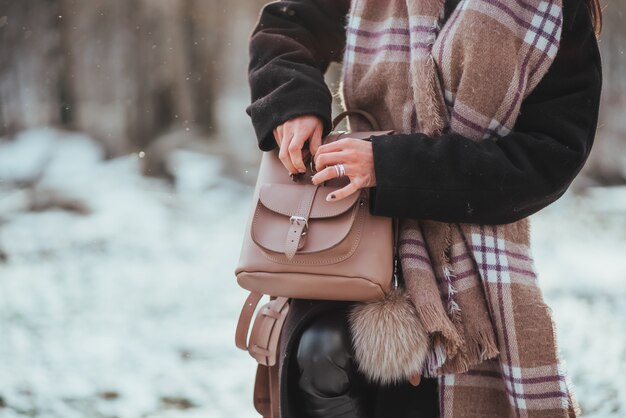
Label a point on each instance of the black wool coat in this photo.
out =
(450, 178)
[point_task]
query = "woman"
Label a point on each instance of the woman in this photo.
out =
(430, 169)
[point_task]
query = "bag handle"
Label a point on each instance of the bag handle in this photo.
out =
(262, 343)
(266, 391)
(266, 388)
(368, 116)
(245, 318)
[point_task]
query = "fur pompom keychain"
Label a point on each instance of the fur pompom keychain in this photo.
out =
(390, 342)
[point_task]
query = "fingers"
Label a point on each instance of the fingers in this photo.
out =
(284, 154)
(327, 159)
(326, 174)
(357, 159)
(342, 193)
(342, 144)
(292, 137)
(332, 147)
(278, 134)
(356, 183)
(295, 149)
(347, 145)
(316, 139)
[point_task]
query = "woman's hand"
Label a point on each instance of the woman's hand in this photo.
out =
(291, 137)
(358, 160)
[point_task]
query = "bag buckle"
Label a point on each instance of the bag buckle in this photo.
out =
(297, 220)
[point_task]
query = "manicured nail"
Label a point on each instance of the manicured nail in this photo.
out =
(330, 197)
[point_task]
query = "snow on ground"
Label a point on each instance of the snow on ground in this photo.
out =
(118, 299)
(579, 244)
(128, 311)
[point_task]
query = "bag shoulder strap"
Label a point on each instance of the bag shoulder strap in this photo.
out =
(245, 318)
(266, 399)
(262, 342)
(266, 330)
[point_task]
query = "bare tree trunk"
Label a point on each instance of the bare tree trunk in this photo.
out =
(130, 69)
(30, 65)
(206, 37)
(122, 71)
(613, 49)
(99, 40)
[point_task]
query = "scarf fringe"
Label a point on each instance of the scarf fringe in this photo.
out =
(573, 407)
(430, 108)
(478, 347)
(429, 315)
(436, 357)
(481, 346)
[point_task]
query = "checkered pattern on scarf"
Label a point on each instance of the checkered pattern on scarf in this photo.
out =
(493, 345)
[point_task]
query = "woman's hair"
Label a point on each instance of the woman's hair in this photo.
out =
(596, 15)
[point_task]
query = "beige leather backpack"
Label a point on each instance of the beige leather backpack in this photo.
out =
(298, 245)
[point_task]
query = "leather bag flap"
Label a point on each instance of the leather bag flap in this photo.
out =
(328, 223)
(285, 199)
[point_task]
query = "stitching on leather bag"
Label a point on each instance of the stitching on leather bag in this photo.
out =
(358, 220)
(329, 213)
(352, 217)
(257, 212)
(360, 209)
(359, 278)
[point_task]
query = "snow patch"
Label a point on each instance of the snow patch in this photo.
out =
(129, 310)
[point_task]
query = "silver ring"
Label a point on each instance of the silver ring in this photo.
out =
(340, 169)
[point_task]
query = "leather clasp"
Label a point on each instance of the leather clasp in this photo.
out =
(299, 224)
(298, 220)
(296, 235)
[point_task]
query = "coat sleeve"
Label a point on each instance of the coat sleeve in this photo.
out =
(454, 179)
(290, 49)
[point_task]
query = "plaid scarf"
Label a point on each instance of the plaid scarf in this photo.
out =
(474, 287)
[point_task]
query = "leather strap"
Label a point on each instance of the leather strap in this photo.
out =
(266, 396)
(269, 322)
(261, 396)
(299, 221)
(368, 116)
(274, 388)
(243, 325)
(263, 345)
(264, 337)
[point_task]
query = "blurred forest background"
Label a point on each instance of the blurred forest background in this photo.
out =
(125, 72)
(126, 166)
(129, 72)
